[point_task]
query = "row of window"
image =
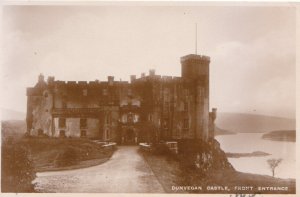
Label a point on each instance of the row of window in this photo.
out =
(185, 123)
(167, 106)
(62, 133)
(62, 123)
(83, 122)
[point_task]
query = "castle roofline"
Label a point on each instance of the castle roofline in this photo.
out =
(195, 57)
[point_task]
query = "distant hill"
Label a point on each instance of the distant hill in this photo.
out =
(8, 114)
(219, 131)
(285, 135)
(250, 123)
(12, 128)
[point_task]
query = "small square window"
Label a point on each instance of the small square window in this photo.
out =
(84, 92)
(104, 92)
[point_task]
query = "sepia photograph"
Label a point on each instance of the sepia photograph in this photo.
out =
(149, 98)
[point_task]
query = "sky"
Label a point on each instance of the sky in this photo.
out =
(252, 49)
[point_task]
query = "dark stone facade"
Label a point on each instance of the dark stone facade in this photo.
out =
(149, 108)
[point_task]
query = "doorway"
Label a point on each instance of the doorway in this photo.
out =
(130, 137)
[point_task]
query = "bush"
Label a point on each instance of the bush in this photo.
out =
(67, 158)
(17, 170)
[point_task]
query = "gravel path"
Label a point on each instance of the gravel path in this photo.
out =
(125, 172)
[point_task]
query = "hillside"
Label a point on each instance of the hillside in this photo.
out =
(13, 128)
(8, 114)
(250, 123)
(219, 131)
(283, 135)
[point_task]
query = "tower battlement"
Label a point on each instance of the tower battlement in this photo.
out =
(195, 57)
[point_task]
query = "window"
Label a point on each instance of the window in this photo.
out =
(84, 92)
(130, 117)
(107, 134)
(165, 124)
(129, 92)
(186, 92)
(124, 118)
(185, 106)
(104, 92)
(40, 132)
(62, 133)
(150, 117)
(108, 119)
(167, 106)
(61, 122)
(64, 104)
(83, 123)
(46, 94)
(82, 133)
(186, 123)
(135, 118)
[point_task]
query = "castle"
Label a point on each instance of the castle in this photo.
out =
(151, 107)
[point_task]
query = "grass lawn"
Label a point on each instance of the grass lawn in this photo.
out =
(50, 154)
(172, 175)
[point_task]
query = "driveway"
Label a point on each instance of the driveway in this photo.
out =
(125, 172)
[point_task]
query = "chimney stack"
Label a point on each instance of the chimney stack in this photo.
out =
(151, 72)
(132, 78)
(41, 78)
(110, 80)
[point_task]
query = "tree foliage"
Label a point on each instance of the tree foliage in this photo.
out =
(17, 170)
(273, 163)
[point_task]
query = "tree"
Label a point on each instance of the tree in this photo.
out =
(273, 163)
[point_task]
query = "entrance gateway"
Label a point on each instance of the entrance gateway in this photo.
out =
(129, 135)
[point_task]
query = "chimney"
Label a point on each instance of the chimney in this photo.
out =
(132, 78)
(110, 80)
(151, 72)
(50, 80)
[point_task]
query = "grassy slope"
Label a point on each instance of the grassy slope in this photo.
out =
(169, 173)
(45, 153)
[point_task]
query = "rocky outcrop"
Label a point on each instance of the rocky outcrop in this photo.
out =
(204, 157)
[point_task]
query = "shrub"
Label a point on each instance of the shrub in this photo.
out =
(67, 158)
(17, 170)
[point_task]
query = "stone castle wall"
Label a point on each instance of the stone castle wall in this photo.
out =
(175, 107)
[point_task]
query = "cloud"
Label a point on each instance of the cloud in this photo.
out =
(252, 49)
(256, 76)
